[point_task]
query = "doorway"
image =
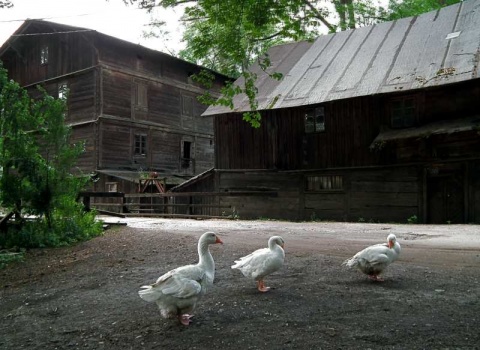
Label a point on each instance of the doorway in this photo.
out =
(445, 195)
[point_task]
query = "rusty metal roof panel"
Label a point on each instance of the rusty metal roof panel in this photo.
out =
(435, 48)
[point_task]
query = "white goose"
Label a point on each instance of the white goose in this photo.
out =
(262, 262)
(374, 259)
(178, 291)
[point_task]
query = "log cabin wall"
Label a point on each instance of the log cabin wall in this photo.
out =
(136, 109)
(28, 62)
(170, 117)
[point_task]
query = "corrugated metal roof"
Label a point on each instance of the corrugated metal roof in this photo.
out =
(435, 48)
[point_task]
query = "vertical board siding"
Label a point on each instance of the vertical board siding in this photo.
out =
(285, 206)
(117, 94)
(85, 134)
(116, 149)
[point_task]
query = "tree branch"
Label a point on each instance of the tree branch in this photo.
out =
(319, 16)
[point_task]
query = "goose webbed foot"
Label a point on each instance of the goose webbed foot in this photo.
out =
(185, 319)
(261, 286)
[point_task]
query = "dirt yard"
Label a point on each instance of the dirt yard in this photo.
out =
(85, 297)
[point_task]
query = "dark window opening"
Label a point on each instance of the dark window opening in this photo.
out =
(315, 120)
(324, 183)
(187, 148)
(403, 112)
(140, 145)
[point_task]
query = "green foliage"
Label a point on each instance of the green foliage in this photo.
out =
(406, 8)
(412, 219)
(68, 225)
(36, 159)
(6, 4)
(7, 257)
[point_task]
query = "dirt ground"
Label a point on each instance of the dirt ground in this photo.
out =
(85, 297)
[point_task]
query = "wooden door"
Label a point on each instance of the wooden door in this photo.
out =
(445, 202)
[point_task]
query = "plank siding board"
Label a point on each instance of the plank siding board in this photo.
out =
(81, 100)
(204, 154)
(165, 151)
(326, 201)
(117, 94)
(115, 152)
(86, 135)
(373, 186)
(382, 199)
(382, 214)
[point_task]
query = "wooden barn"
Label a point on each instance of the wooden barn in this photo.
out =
(135, 109)
(376, 124)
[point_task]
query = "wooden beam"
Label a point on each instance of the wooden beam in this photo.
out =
(203, 194)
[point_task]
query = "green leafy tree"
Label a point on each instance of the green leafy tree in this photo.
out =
(36, 159)
(405, 8)
(229, 35)
(5, 4)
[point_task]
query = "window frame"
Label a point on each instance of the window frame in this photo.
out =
(187, 106)
(111, 186)
(317, 114)
(140, 141)
(62, 90)
(44, 55)
(141, 95)
(324, 183)
(403, 112)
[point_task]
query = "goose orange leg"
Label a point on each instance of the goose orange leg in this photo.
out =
(261, 286)
(375, 278)
(185, 319)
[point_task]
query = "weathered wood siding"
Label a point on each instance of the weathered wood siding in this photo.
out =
(67, 53)
(85, 134)
(116, 94)
(116, 147)
(450, 102)
(368, 195)
(281, 142)
(391, 183)
(385, 195)
(474, 192)
(276, 144)
(204, 154)
(163, 148)
(203, 205)
(285, 206)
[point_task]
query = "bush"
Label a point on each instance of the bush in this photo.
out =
(69, 224)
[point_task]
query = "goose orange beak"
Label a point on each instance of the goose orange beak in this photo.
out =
(218, 240)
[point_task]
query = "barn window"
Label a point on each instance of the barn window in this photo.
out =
(62, 90)
(140, 145)
(315, 120)
(141, 96)
(187, 153)
(44, 54)
(111, 186)
(187, 149)
(187, 106)
(324, 183)
(403, 112)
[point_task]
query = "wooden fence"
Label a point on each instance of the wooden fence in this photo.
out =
(193, 204)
